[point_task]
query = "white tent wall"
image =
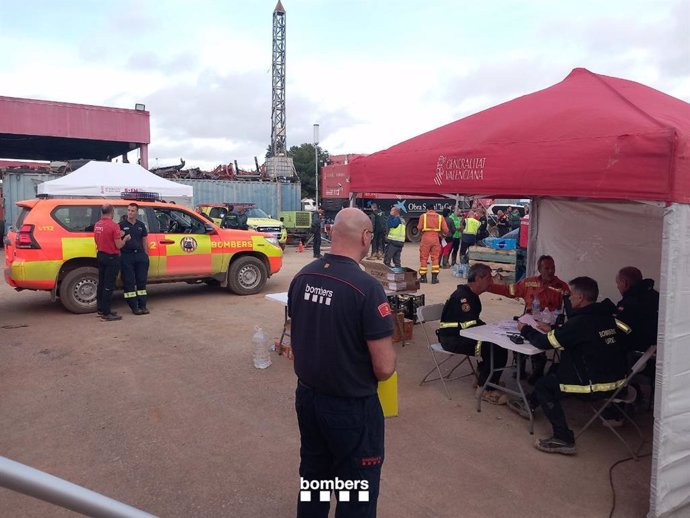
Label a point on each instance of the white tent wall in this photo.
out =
(670, 485)
(598, 238)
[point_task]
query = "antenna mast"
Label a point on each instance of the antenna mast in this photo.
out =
(278, 164)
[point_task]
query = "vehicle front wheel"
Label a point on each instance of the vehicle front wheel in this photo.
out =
(78, 290)
(247, 275)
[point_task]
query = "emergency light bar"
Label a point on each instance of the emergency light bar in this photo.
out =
(140, 196)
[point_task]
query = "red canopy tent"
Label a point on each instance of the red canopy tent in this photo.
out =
(605, 161)
(589, 135)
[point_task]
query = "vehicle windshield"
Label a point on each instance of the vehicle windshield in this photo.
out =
(256, 213)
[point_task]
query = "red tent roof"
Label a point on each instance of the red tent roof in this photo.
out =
(589, 136)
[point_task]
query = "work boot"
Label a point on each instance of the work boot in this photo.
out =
(422, 278)
(554, 445)
(444, 262)
(434, 278)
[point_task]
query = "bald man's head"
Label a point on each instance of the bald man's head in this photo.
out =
(351, 233)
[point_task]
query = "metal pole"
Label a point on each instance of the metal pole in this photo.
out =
(316, 163)
(29, 481)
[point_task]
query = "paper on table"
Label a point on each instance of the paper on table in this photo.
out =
(529, 320)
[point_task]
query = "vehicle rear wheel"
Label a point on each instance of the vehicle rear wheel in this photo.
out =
(247, 275)
(412, 233)
(78, 290)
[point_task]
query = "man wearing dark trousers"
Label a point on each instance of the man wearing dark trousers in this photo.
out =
(135, 261)
(380, 227)
(316, 233)
(461, 311)
(593, 361)
(342, 326)
(109, 241)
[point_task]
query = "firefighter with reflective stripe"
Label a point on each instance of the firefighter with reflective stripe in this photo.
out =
(462, 311)
(135, 261)
(593, 345)
(396, 238)
(551, 292)
(432, 226)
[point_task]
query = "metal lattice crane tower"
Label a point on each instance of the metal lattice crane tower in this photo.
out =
(278, 137)
(279, 164)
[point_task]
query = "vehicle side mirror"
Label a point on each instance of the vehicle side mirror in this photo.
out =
(210, 229)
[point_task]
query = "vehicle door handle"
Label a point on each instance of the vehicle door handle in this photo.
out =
(166, 242)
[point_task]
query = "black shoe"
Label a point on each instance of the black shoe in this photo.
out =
(111, 317)
(553, 445)
(137, 311)
(144, 311)
(100, 313)
(422, 278)
(434, 278)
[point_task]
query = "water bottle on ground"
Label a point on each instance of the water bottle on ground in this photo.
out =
(262, 358)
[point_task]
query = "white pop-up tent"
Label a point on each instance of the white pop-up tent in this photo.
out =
(110, 180)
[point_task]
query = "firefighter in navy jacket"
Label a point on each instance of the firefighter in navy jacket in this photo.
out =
(593, 345)
(461, 311)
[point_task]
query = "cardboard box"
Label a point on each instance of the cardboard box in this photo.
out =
(406, 324)
(407, 275)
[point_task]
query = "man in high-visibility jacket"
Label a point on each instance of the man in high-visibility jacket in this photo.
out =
(547, 289)
(396, 238)
(431, 225)
(470, 229)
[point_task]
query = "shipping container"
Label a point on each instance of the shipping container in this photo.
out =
(271, 197)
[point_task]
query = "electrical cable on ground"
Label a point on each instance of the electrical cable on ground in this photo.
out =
(613, 489)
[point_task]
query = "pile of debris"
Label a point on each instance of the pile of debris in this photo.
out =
(229, 172)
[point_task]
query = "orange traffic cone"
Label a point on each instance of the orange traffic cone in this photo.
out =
(300, 247)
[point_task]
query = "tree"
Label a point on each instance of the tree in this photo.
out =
(304, 160)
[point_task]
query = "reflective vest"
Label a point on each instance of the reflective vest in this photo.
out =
(436, 226)
(471, 226)
(397, 233)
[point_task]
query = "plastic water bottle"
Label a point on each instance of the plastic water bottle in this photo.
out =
(455, 269)
(536, 307)
(262, 358)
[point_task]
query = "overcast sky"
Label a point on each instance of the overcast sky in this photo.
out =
(371, 72)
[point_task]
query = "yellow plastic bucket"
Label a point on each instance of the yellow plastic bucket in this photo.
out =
(388, 395)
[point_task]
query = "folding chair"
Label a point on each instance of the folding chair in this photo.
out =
(618, 401)
(432, 313)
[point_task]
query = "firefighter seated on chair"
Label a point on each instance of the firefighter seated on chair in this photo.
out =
(462, 311)
(593, 361)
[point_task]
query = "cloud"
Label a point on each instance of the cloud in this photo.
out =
(218, 117)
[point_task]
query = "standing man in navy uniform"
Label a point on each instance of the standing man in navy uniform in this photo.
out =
(341, 337)
(135, 261)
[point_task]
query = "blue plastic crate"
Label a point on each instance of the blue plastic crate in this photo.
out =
(498, 243)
